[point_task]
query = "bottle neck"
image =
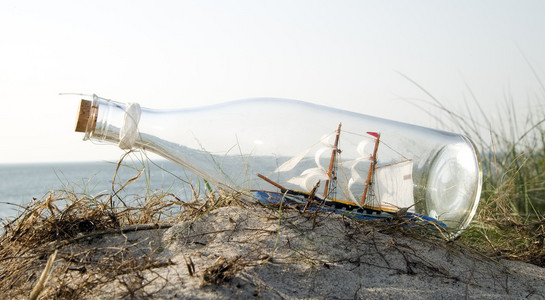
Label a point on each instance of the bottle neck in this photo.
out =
(132, 127)
(108, 121)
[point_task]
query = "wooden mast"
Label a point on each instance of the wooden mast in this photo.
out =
(371, 167)
(332, 161)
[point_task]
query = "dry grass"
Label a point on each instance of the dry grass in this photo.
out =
(43, 229)
(79, 229)
(64, 220)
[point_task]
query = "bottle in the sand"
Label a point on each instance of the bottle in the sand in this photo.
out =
(277, 149)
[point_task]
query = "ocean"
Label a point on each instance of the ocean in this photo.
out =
(20, 183)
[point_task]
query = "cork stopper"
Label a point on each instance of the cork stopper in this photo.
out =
(85, 115)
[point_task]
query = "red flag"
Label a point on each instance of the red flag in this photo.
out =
(375, 134)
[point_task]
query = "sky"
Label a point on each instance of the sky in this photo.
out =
(362, 56)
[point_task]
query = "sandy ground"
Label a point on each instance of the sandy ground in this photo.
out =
(245, 253)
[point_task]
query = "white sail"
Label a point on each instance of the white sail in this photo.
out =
(292, 162)
(309, 178)
(319, 154)
(393, 187)
(363, 148)
(355, 176)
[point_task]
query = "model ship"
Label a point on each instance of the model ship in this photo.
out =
(386, 190)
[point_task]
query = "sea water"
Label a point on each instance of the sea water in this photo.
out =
(21, 183)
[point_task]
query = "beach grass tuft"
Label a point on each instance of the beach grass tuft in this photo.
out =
(510, 220)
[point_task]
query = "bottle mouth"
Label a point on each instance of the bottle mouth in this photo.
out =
(454, 185)
(87, 117)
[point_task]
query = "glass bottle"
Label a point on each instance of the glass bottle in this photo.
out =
(278, 145)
